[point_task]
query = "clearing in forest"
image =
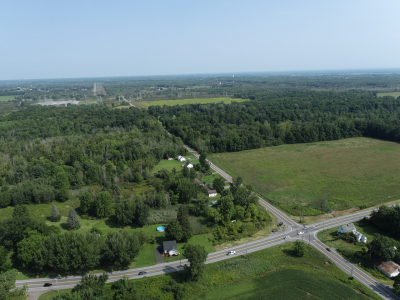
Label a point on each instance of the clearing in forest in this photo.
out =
(316, 177)
(393, 94)
(146, 104)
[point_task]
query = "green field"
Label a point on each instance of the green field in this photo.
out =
(392, 94)
(273, 273)
(6, 98)
(347, 173)
(186, 101)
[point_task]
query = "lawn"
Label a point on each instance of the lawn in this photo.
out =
(209, 178)
(6, 98)
(170, 164)
(347, 173)
(349, 250)
(186, 101)
(392, 94)
(273, 273)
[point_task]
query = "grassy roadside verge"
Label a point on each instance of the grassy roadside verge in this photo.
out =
(273, 273)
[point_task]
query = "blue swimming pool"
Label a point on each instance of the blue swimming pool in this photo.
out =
(161, 228)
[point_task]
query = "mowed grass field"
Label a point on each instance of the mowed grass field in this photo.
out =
(6, 98)
(145, 104)
(348, 173)
(392, 94)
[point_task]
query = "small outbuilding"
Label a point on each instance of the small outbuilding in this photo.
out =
(211, 193)
(180, 158)
(388, 268)
(346, 228)
(188, 165)
(169, 247)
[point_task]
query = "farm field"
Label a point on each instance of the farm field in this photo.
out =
(6, 98)
(186, 101)
(393, 94)
(273, 273)
(346, 173)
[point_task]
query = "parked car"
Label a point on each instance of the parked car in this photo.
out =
(142, 273)
(231, 252)
(300, 232)
(280, 224)
(47, 284)
(328, 249)
(275, 230)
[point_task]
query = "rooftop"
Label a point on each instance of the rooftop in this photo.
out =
(387, 266)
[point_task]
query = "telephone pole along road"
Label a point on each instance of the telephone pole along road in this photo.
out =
(35, 286)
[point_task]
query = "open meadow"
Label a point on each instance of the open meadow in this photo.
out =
(341, 174)
(392, 94)
(6, 98)
(146, 104)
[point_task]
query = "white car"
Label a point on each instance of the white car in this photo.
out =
(300, 232)
(231, 252)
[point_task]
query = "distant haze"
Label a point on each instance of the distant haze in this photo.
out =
(68, 39)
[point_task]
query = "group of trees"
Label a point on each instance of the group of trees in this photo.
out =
(282, 117)
(180, 229)
(387, 219)
(40, 246)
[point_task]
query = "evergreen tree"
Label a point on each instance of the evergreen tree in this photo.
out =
(87, 202)
(174, 231)
(300, 248)
(73, 220)
(55, 215)
(125, 211)
(103, 205)
(20, 211)
(218, 184)
(142, 212)
(183, 219)
(196, 256)
(5, 199)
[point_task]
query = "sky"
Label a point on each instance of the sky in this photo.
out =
(74, 39)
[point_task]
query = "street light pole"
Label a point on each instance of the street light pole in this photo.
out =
(180, 261)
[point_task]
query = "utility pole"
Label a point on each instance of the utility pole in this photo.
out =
(309, 238)
(300, 217)
(246, 248)
(351, 270)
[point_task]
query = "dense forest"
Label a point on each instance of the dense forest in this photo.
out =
(272, 119)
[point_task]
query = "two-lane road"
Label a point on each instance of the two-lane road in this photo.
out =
(290, 233)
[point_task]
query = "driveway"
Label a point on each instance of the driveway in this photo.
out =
(158, 249)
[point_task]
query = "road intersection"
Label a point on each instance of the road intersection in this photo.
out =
(289, 233)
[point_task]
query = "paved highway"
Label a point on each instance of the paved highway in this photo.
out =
(288, 232)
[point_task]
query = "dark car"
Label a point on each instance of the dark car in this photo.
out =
(275, 230)
(328, 249)
(48, 284)
(280, 224)
(142, 273)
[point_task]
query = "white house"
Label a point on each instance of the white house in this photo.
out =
(211, 193)
(388, 268)
(351, 228)
(180, 158)
(346, 228)
(188, 165)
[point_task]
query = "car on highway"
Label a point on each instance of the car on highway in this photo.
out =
(47, 284)
(142, 273)
(300, 232)
(280, 224)
(231, 252)
(328, 249)
(275, 230)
